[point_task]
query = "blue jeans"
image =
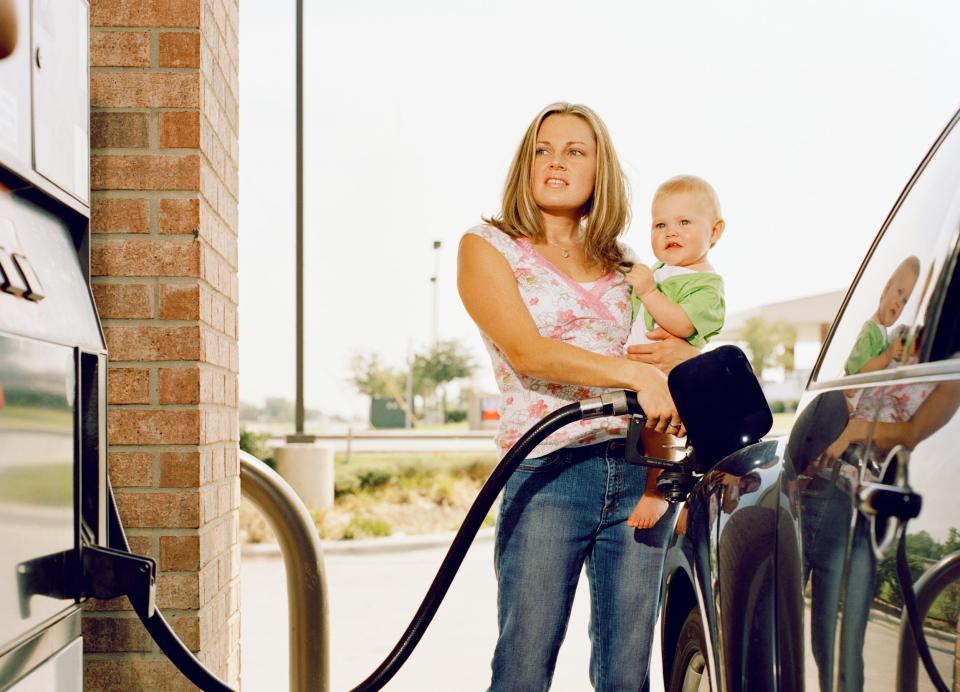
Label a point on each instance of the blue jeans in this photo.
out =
(559, 512)
(826, 518)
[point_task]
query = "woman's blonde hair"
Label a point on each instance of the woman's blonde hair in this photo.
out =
(606, 213)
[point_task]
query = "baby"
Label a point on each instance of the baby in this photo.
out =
(874, 350)
(895, 403)
(681, 293)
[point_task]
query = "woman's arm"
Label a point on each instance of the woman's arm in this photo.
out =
(935, 412)
(489, 292)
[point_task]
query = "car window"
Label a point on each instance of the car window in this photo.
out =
(946, 306)
(881, 326)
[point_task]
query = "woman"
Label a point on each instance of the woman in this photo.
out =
(541, 281)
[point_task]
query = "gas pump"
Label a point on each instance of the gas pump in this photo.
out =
(53, 489)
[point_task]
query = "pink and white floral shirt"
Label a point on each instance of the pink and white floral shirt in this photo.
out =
(594, 317)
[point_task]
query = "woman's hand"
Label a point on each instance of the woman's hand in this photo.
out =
(651, 387)
(856, 431)
(666, 351)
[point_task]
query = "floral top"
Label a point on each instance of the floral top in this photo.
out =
(594, 317)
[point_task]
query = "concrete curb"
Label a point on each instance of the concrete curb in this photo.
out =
(366, 546)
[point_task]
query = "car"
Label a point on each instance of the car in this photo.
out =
(783, 574)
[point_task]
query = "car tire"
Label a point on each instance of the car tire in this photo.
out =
(689, 672)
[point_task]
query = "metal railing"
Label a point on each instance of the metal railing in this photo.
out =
(303, 561)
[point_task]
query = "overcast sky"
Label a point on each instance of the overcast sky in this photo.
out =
(807, 119)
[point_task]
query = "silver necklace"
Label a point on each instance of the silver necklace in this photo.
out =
(565, 252)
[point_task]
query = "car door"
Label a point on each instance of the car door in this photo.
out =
(887, 388)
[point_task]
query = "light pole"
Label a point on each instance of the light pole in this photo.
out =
(299, 435)
(433, 280)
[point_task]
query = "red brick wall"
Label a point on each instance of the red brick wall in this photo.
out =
(163, 89)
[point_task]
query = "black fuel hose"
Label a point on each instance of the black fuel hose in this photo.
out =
(913, 613)
(619, 402)
(613, 403)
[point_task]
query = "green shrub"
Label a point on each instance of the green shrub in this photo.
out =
(371, 479)
(345, 486)
(478, 470)
(366, 527)
(412, 477)
(256, 444)
(455, 415)
(443, 490)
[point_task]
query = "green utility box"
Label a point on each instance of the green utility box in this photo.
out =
(386, 413)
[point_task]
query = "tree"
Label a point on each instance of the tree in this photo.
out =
(770, 343)
(373, 378)
(442, 364)
(376, 380)
(431, 372)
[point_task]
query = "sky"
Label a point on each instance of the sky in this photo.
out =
(807, 118)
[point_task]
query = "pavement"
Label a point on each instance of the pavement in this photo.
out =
(374, 588)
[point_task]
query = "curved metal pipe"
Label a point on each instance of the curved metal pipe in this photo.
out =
(303, 560)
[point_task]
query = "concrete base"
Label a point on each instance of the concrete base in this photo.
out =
(308, 468)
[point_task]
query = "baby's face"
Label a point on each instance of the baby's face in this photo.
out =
(683, 229)
(895, 295)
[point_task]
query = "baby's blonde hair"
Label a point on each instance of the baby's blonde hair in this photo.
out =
(605, 214)
(690, 183)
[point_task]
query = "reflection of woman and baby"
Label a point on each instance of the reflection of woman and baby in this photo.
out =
(887, 416)
(542, 280)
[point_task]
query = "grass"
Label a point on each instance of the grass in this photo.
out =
(50, 485)
(782, 423)
(393, 462)
(35, 418)
(383, 494)
(281, 428)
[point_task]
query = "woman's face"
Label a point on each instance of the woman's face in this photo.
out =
(564, 165)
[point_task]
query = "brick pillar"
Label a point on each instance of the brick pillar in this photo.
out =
(163, 89)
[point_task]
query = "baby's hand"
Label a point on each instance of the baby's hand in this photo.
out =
(641, 278)
(647, 512)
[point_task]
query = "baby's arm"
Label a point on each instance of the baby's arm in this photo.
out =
(893, 352)
(668, 314)
(664, 311)
(651, 506)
